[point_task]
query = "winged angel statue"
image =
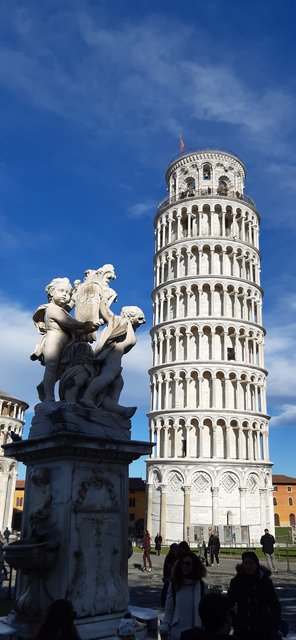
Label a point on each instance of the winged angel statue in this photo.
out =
(89, 375)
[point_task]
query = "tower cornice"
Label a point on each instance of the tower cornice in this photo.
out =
(203, 154)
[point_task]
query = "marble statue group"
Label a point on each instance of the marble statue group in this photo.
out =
(85, 361)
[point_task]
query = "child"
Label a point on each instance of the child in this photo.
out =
(58, 326)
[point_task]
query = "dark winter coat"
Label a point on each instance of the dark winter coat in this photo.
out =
(267, 542)
(214, 545)
(258, 610)
(158, 541)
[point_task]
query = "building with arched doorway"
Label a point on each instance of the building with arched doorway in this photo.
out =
(284, 501)
(210, 468)
(12, 413)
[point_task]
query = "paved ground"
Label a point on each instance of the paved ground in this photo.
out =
(145, 587)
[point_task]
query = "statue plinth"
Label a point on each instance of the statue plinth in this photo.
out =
(76, 508)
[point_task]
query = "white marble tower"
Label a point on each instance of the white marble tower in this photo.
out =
(210, 466)
(12, 413)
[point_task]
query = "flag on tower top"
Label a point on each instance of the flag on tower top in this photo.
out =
(182, 145)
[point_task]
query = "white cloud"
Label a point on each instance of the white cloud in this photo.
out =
(286, 417)
(280, 361)
(135, 373)
(142, 208)
(19, 376)
(140, 76)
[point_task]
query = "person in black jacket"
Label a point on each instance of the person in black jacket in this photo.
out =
(268, 542)
(158, 542)
(214, 548)
(251, 592)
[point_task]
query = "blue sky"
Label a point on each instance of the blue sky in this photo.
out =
(92, 98)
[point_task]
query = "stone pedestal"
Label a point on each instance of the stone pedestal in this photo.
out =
(75, 522)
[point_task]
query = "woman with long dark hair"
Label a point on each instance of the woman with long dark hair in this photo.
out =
(184, 594)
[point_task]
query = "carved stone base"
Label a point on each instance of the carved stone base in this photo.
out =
(103, 627)
(52, 417)
(95, 628)
(77, 502)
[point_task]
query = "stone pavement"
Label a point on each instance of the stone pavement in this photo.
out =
(145, 587)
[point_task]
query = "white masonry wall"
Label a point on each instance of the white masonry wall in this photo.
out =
(208, 418)
(12, 413)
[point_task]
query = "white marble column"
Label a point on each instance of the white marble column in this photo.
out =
(214, 441)
(201, 439)
(223, 223)
(215, 506)
(186, 512)
(149, 507)
(163, 514)
(262, 493)
(243, 514)
(240, 443)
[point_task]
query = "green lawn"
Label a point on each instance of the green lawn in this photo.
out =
(236, 552)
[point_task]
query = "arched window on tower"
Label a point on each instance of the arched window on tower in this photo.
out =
(222, 188)
(292, 519)
(206, 172)
(191, 186)
(290, 502)
(276, 520)
(274, 502)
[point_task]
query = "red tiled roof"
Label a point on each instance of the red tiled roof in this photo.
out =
(281, 479)
(136, 483)
(20, 484)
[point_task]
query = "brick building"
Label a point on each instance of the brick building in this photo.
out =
(284, 500)
(18, 504)
(137, 505)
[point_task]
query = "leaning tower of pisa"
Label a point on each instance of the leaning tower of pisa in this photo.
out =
(210, 468)
(12, 413)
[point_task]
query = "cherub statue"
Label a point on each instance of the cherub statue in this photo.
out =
(90, 293)
(59, 329)
(97, 381)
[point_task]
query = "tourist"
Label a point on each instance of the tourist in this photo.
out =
(146, 552)
(184, 594)
(214, 626)
(158, 541)
(214, 548)
(205, 553)
(268, 542)
(7, 534)
(59, 622)
(182, 548)
(169, 562)
(252, 593)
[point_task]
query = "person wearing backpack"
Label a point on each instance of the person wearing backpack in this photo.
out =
(184, 594)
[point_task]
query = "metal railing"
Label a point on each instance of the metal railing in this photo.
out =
(200, 193)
